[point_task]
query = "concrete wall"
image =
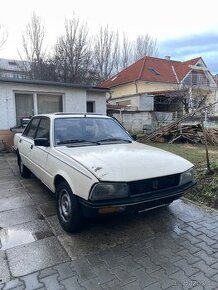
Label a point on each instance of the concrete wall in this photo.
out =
(134, 122)
(146, 103)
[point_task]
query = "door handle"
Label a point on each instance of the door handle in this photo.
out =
(20, 140)
(31, 147)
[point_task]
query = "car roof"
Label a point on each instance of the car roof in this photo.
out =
(72, 115)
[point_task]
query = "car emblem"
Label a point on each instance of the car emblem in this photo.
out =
(155, 184)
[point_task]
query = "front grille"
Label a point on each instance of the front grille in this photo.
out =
(153, 184)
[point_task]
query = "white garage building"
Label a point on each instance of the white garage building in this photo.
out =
(23, 98)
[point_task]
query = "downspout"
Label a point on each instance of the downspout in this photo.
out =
(136, 87)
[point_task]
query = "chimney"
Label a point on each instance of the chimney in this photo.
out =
(167, 57)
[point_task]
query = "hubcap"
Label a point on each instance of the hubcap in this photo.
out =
(65, 205)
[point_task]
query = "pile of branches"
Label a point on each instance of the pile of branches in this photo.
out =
(183, 132)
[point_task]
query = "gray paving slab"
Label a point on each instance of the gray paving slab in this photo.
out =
(9, 185)
(15, 202)
(48, 208)
(19, 216)
(11, 192)
(6, 172)
(24, 233)
(35, 256)
(4, 268)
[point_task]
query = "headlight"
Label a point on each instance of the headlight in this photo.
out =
(102, 191)
(187, 176)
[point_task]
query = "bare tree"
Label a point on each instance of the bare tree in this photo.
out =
(32, 49)
(106, 52)
(114, 53)
(126, 52)
(144, 45)
(3, 36)
(72, 53)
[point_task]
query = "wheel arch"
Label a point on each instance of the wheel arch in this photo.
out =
(61, 177)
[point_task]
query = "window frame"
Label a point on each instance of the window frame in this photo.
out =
(26, 131)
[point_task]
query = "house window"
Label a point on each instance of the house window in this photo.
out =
(24, 106)
(49, 103)
(28, 104)
(90, 107)
(12, 63)
(154, 71)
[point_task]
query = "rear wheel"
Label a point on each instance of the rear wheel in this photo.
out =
(24, 171)
(68, 211)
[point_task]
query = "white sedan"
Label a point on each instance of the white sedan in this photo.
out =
(94, 167)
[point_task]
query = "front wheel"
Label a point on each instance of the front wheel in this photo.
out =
(68, 211)
(24, 171)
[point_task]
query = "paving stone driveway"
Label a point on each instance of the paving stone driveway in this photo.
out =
(172, 248)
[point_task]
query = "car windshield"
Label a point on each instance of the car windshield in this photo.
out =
(83, 131)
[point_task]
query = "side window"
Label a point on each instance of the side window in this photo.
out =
(31, 128)
(43, 128)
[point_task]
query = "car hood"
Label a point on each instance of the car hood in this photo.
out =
(126, 162)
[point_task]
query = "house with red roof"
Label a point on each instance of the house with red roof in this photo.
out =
(153, 91)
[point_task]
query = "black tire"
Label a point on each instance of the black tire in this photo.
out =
(24, 171)
(68, 211)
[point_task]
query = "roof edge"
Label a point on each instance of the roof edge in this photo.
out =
(53, 83)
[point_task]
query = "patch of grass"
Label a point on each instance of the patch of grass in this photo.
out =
(206, 190)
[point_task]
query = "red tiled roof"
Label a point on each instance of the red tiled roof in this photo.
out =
(152, 69)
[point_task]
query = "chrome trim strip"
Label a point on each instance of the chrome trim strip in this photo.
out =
(150, 208)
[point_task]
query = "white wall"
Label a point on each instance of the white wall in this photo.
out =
(138, 102)
(74, 100)
(146, 103)
(100, 101)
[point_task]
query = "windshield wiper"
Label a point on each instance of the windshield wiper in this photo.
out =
(114, 140)
(73, 141)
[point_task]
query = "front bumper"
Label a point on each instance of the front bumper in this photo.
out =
(129, 205)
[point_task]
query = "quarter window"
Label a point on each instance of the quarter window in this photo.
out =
(43, 129)
(31, 128)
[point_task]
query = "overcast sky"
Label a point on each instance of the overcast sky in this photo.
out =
(183, 29)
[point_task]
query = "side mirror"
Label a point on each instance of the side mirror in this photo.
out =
(42, 142)
(134, 137)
